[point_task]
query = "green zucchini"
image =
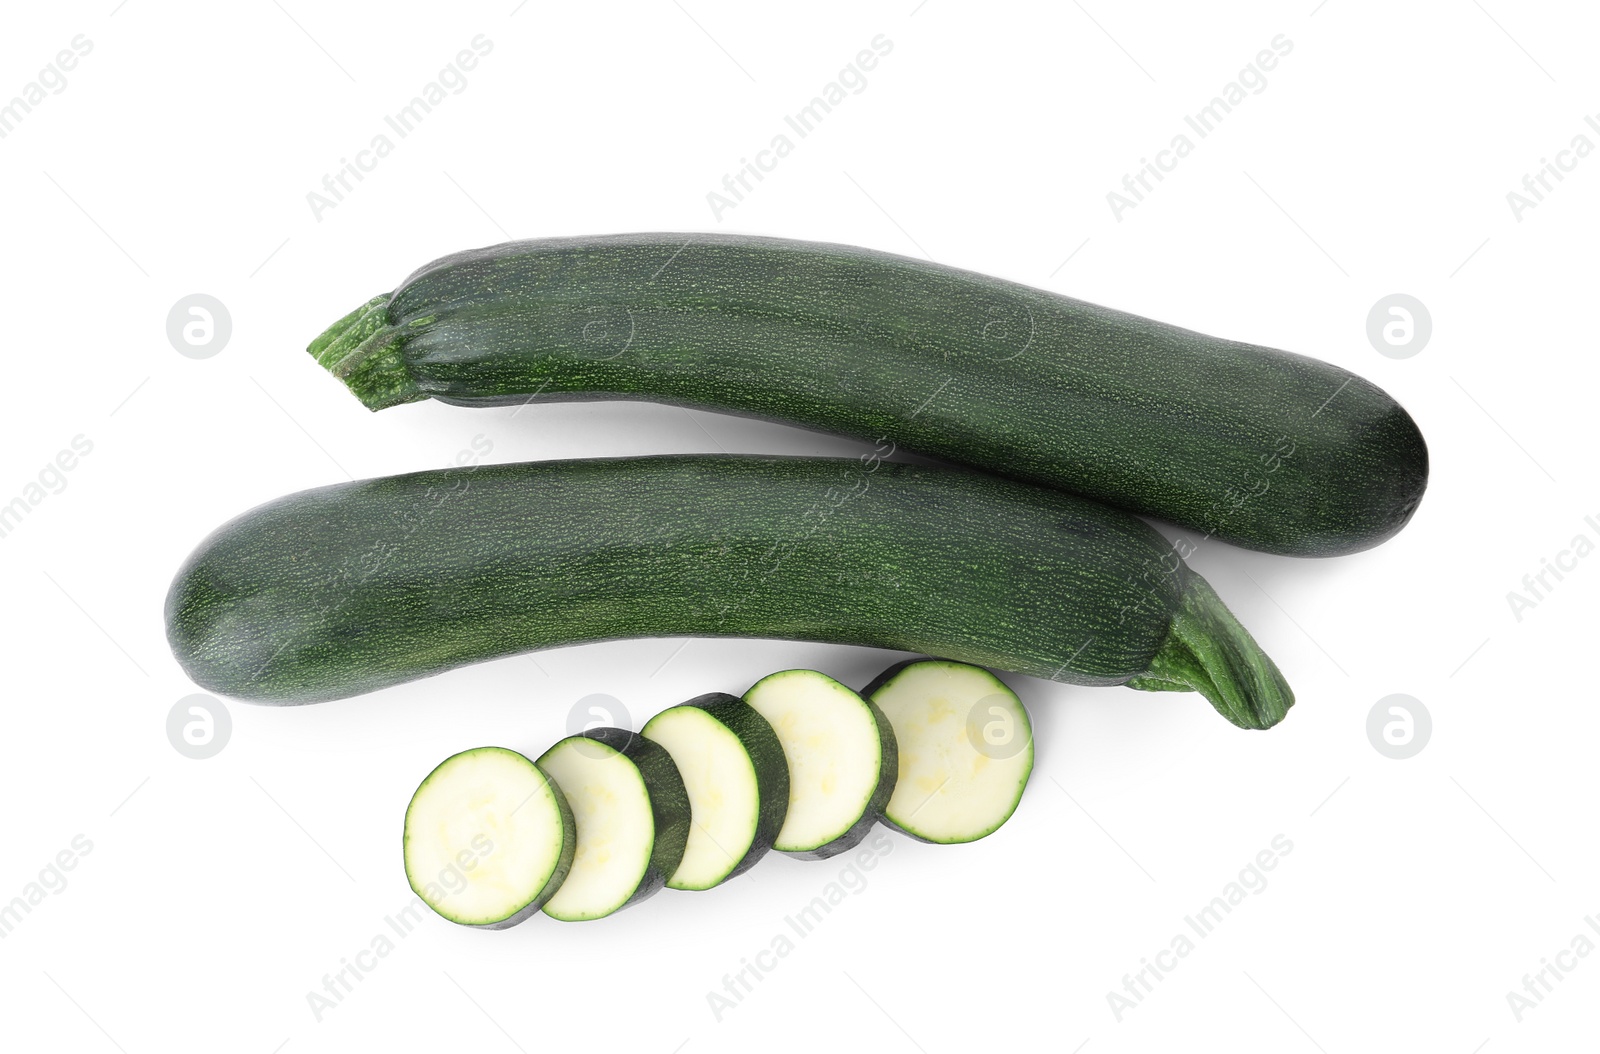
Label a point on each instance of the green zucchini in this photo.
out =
(489, 838)
(841, 755)
(631, 812)
(1263, 448)
(357, 586)
(738, 783)
(965, 749)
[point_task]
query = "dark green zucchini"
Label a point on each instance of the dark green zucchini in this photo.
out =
(349, 588)
(1263, 448)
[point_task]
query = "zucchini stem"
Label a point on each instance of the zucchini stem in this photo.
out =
(363, 351)
(1209, 652)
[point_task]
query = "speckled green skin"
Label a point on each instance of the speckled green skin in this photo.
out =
(669, 810)
(1262, 448)
(770, 767)
(350, 588)
(888, 770)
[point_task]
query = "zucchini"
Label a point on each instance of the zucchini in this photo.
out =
(841, 754)
(738, 783)
(632, 817)
(357, 586)
(489, 838)
(1263, 448)
(966, 749)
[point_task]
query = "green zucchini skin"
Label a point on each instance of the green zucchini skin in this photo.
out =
(890, 772)
(669, 805)
(772, 771)
(354, 587)
(1263, 448)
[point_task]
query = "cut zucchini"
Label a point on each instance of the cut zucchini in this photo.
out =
(841, 755)
(632, 815)
(738, 782)
(488, 838)
(965, 746)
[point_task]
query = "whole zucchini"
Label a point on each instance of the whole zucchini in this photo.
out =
(1263, 448)
(349, 588)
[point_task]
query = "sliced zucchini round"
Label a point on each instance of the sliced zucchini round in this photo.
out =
(632, 815)
(488, 838)
(841, 754)
(965, 746)
(738, 782)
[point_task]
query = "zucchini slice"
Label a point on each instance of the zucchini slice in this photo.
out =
(842, 760)
(738, 782)
(632, 815)
(488, 838)
(965, 746)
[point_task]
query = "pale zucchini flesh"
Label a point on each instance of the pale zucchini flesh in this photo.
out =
(965, 749)
(738, 783)
(489, 838)
(631, 821)
(841, 755)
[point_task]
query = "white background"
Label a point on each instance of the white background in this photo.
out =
(1377, 159)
